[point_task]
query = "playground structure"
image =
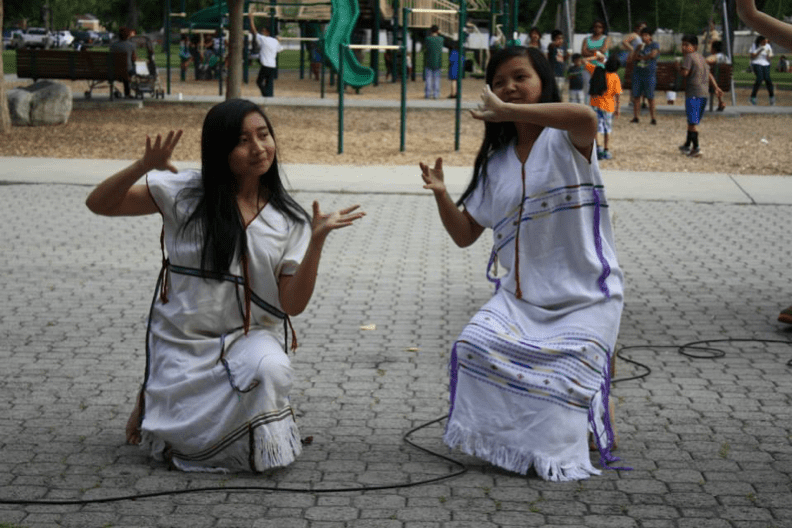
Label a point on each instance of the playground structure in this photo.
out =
(343, 19)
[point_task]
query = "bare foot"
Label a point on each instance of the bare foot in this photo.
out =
(133, 423)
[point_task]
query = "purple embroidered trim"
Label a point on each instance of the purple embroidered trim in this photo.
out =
(452, 379)
(599, 247)
(490, 263)
(606, 457)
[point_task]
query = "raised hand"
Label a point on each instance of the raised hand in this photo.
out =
(322, 224)
(158, 155)
(491, 108)
(433, 177)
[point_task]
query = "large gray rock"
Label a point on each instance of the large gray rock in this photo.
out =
(42, 103)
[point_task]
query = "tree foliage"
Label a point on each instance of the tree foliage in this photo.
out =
(143, 15)
(685, 16)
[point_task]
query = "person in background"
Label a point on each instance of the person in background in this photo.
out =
(575, 78)
(644, 59)
(557, 56)
(697, 74)
(535, 36)
(433, 53)
(632, 41)
(269, 47)
(761, 54)
(715, 59)
(127, 47)
(604, 90)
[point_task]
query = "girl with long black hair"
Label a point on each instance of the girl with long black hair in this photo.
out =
(239, 257)
(530, 372)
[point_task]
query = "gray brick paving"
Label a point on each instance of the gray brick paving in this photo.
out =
(709, 439)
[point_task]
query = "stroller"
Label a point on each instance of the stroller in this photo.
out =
(145, 80)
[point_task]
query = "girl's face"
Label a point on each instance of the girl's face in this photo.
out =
(535, 36)
(516, 81)
(255, 150)
(598, 28)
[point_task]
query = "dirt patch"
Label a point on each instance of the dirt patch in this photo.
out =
(750, 144)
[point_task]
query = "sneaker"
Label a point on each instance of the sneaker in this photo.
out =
(635, 120)
(606, 155)
(653, 122)
(600, 155)
(694, 153)
(753, 100)
(685, 149)
(771, 101)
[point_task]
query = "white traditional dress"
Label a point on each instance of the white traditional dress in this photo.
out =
(216, 397)
(530, 373)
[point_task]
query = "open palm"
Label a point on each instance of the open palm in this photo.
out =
(433, 176)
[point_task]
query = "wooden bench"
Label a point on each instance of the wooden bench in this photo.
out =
(96, 67)
(667, 76)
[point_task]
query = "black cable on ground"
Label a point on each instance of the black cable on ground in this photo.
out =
(462, 469)
(703, 354)
(707, 352)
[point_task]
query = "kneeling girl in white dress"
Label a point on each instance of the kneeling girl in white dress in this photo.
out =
(530, 372)
(239, 257)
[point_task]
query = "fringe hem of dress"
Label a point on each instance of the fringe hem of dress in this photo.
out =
(275, 444)
(516, 459)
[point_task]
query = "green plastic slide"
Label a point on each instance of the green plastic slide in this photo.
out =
(342, 22)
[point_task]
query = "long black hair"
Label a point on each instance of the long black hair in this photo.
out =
(499, 135)
(216, 216)
(598, 83)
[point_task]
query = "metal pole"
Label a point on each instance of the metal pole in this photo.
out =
(341, 98)
(168, 46)
(220, 50)
(302, 47)
(515, 21)
(630, 21)
(246, 58)
(728, 39)
(569, 22)
(403, 111)
(376, 42)
(461, 16)
(321, 44)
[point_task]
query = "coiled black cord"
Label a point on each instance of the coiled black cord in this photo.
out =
(703, 352)
(462, 469)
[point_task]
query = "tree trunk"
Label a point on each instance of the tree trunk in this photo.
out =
(234, 88)
(5, 118)
(132, 14)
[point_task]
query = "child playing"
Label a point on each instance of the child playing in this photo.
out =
(530, 372)
(557, 56)
(697, 74)
(575, 79)
(605, 89)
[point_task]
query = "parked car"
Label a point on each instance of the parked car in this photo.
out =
(63, 39)
(85, 38)
(106, 37)
(8, 38)
(32, 38)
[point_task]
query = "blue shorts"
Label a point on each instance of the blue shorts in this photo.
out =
(695, 107)
(643, 84)
(605, 120)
